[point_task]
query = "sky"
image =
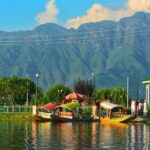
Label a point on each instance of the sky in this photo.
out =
(27, 14)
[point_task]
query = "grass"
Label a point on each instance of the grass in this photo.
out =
(16, 116)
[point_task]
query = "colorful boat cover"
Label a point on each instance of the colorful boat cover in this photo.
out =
(70, 106)
(49, 106)
(108, 105)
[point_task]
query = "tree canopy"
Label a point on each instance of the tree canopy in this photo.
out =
(57, 92)
(13, 90)
(117, 95)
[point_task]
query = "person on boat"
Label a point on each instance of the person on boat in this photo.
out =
(133, 107)
(137, 108)
(140, 109)
(121, 112)
(145, 108)
(80, 110)
(59, 111)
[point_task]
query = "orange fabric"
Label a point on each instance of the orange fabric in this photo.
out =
(66, 114)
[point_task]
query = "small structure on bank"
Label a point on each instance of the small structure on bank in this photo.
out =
(146, 81)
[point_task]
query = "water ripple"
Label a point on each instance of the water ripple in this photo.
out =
(73, 136)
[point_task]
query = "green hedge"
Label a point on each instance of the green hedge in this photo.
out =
(87, 111)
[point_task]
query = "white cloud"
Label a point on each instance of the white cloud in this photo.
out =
(139, 5)
(50, 14)
(98, 12)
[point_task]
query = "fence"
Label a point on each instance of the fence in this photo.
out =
(15, 109)
(87, 110)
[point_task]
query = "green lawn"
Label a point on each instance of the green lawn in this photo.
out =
(16, 116)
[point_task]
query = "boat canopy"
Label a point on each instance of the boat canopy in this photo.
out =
(69, 106)
(108, 105)
(49, 106)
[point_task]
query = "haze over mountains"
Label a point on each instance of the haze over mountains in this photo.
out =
(111, 50)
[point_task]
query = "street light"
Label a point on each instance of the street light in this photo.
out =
(127, 91)
(27, 102)
(37, 76)
(93, 74)
(138, 79)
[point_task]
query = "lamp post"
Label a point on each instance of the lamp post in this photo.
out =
(37, 76)
(138, 79)
(128, 92)
(93, 74)
(27, 102)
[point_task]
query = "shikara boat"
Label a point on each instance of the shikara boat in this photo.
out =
(66, 113)
(113, 113)
(44, 112)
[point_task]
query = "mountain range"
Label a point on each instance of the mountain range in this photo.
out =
(108, 51)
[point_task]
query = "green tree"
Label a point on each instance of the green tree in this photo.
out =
(119, 95)
(14, 89)
(104, 93)
(57, 93)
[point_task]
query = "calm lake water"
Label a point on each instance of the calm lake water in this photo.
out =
(73, 136)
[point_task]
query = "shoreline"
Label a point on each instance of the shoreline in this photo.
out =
(141, 119)
(29, 117)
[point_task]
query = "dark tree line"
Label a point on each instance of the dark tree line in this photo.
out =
(85, 87)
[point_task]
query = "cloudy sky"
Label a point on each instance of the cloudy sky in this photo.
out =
(27, 14)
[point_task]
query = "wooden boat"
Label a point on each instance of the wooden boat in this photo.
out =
(113, 113)
(44, 112)
(120, 119)
(66, 113)
(115, 125)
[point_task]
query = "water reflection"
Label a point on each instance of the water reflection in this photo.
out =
(138, 137)
(65, 135)
(113, 135)
(73, 136)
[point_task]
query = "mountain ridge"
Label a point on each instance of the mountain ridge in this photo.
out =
(109, 49)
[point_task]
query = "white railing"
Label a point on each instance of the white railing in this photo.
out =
(15, 109)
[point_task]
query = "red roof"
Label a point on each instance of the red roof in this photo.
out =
(74, 95)
(49, 106)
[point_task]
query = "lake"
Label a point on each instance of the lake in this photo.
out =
(16, 135)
